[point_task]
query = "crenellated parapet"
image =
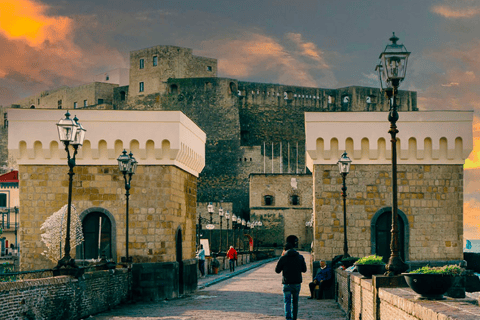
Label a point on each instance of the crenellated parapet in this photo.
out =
(425, 137)
(154, 137)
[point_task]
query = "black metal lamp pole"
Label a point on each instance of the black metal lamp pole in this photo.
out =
(227, 217)
(199, 227)
(71, 133)
(392, 70)
(344, 168)
(220, 214)
(234, 227)
(210, 211)
(127, 166)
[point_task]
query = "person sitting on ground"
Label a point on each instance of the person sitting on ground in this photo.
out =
(322, 278)
(232, 256)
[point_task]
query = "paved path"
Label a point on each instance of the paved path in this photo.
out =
(252, 294)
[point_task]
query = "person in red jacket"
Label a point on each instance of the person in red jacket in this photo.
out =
(232, 256)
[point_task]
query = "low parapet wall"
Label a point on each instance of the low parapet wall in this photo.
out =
(64, 297)
(363, 298)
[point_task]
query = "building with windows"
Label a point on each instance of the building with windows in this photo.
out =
(9, 206)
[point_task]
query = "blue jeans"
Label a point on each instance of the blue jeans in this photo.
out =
(291, 293)
(232, 265)
(201, 266)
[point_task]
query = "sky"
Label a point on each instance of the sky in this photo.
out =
(45, 44)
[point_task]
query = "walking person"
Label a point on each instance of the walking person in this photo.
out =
(232, 257)
(323, 277)
(201, 260)
(292, 264)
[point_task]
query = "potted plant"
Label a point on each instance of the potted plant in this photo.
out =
(349, 261)
(431, 283)
(370, 265)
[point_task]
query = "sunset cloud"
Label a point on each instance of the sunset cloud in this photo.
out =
(290, 60)
(453, 13)
(39, 50)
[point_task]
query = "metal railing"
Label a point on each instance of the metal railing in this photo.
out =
(25, 275)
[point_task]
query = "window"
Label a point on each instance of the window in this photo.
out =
(85, 103)
(100, 101)
(59, 104)
(295, 200)
(209, 68)
(155, 61)
(75, 105)
(3, 200)
(38, 101)
(331, 99)
(122, 95)
(268, 200)
(142, 63)
(141, 87)
(107, 78)
(5, 120)
(174, 89)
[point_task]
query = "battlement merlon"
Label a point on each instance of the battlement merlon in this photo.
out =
(426, 137)
(154, 137)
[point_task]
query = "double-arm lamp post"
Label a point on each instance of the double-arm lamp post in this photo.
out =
(344, 168)
(220, 214)
(391, 71)
(127, 166)
(227, 217)
(234, 227)
(210, 211)
(71, 133)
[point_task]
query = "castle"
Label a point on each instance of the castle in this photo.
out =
(257, 144)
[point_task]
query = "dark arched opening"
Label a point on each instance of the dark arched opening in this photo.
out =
(179, 259)
(381, 226)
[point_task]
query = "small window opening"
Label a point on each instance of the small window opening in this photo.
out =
(268, 200)
(122, 95)
(142, 63)
(100, 101)
(174, 89)
(141, 87)
(75, 105)
(107, 78)
(59, 104)
(155, 61)
(295, 200)
(85, 103)
(209, 68)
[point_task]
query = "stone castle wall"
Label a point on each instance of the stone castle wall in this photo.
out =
(431, 197)
(3, 139)
(163, 198)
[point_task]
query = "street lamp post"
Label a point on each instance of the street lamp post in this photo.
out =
(210, 211)
(243, 226)
(391, 71)
(344, 168)
(71, 133)
(234, 227)
(220, 214)
(227, 217)
(127, 166)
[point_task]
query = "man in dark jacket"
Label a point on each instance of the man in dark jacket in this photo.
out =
(323, 279)
(292, 264)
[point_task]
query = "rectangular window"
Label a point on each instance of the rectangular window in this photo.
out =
(268, 200)
(141, 87)
(84, 103)
(5, 120)
(3, 200)
(155, 61)
(59, 104)
(107, 78)
(142, 63)
(75, 105)
(100, 101)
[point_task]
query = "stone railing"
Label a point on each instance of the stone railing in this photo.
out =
(64, 297)
(390, 298)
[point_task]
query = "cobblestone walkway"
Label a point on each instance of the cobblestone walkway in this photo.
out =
(252, 294)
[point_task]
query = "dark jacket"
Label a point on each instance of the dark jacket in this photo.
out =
(323, 274)
(292, 264)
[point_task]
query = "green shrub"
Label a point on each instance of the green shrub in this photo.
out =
(370, 260)
(445, 270)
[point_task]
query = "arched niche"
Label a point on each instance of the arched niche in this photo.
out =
(380, 236)
(87, 149)
(365, 149)
(458, 148)
(135, 147)
(443, 148)
(334, 148)
(381, 148)
(150, 149)
(102, 149)
(427, 149)
(118, 147)
(165, 149)
(349, 147)
(96, 212)
(38, 150)
(412, 148)
(54, 152)
(320, 148)
(22, 147)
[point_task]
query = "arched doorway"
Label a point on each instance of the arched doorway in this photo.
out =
(381, 226)
(99, 233)
(179, 250)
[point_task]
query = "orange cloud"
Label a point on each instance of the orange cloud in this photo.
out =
(256, 54)
(452, 13)
(471, 219)
(27, 20)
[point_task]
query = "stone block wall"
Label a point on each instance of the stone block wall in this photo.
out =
(64, 297)
(431, 196)
(163, 199)
(3, 139)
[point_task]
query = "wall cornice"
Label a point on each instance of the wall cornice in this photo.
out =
(426, 137)
(154, 137)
